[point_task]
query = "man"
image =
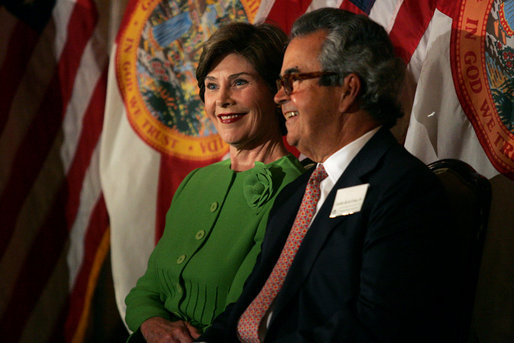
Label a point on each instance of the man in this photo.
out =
(367, 262)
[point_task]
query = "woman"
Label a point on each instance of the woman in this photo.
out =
(216, 222)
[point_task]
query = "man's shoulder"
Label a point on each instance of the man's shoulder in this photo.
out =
(391, 156)
(400, 161)
(400, 169)
(385, 163)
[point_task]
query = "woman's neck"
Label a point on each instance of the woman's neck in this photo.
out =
(244, 159)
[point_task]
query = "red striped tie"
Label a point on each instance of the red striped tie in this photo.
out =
(248, 326)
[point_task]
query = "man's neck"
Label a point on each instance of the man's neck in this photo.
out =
(350, 130)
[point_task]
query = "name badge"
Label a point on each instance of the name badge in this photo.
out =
(349, 200)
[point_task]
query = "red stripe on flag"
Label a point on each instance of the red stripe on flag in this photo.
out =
(350, 7)
(38, 265)
(171, 173)
(14, 66)
(410, 25)
(29, 159)
(43, 130)
(98, 223)
(89, 136)
(284, 13)
(80, 28)
(450, 8)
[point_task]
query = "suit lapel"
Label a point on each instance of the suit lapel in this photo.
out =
(363, 164)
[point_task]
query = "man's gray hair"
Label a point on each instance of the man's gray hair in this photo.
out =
(356, 44)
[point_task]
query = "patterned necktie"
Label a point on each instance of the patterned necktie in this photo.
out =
(248, 326)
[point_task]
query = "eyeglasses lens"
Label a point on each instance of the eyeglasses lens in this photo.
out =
(285, 82)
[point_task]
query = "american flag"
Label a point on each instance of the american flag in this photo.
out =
(71, 164)
(54, 233)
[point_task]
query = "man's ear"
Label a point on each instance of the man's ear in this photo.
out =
(350, 91)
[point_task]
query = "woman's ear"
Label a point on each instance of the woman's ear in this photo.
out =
(349, 93)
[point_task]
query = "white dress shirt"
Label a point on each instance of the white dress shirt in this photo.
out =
(337, 163)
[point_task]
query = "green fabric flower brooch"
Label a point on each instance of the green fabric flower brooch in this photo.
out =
(258, 186)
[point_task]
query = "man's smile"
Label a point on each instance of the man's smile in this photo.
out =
(290, 114)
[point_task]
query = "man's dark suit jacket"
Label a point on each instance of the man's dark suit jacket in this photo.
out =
(379, 275)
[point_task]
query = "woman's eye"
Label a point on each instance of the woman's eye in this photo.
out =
(240, 82)
(211, 86)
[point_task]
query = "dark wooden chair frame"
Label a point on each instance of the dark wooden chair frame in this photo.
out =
(469, 195)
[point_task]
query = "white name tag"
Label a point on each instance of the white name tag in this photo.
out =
(349, 200)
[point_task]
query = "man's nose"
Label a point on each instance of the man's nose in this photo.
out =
(281, 96)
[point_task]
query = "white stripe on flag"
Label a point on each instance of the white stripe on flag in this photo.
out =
(326, 3)
(263, 11)
(91, 192)
(90, 70)
(384, 12)
(430, 36)
(61, 15)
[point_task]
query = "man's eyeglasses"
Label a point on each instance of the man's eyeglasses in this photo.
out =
(287, 80)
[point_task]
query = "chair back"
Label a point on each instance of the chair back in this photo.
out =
(469, 195)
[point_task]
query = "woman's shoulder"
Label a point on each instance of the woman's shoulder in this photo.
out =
(288, 164)
(206, 176)
(285, 169)
(221, 167)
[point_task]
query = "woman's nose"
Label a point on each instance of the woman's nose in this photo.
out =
(224, 97)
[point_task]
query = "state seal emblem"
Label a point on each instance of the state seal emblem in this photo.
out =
(482, 59)
(156, 60)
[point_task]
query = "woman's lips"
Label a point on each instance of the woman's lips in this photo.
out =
(227, 118)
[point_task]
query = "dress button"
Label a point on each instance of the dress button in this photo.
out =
(214, 206)
(181, 259)
(200, 234)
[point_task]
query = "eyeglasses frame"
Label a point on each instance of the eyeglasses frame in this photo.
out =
(288, 79)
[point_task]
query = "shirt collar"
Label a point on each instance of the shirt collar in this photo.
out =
(337, 163)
